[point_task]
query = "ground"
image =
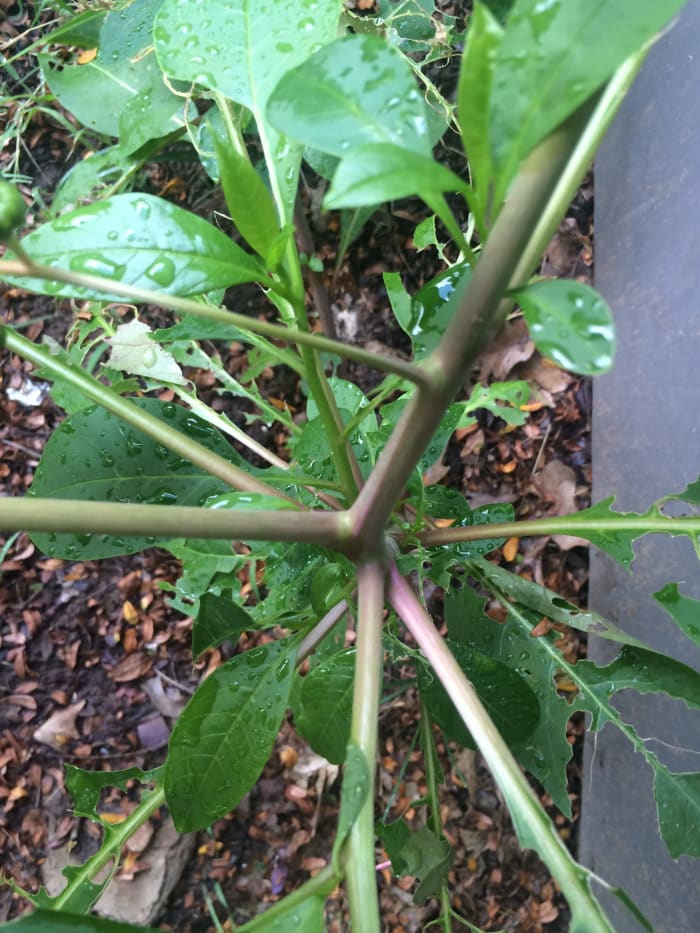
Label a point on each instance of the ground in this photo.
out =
(96, 663)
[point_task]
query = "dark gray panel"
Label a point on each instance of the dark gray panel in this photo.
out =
(646, 443)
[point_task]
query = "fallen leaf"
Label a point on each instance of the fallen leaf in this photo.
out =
(60, 727)
(131, 667)
(511, 346)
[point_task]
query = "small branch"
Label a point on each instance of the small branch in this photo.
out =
(358, 853)
(76, 516)
(318, 289)
(321, 629)
(559, 525)
(532, 824)
(320, 886)
(125, 409)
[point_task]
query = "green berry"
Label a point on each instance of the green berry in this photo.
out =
(12, 210)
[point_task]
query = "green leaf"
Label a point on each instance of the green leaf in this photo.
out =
(307, 916)
(684, 610)
(473, 103)
(690, 494)
(420, 854)
(678, 805)
(95, 456)
(121, 92)
(247, 198)
(226, 733)
(570, 323)
(553, 56)
(107, 169)
(432, 308)
(289, 574)
(639, 669)
(545, 753)
(509, 701)
(376, 172)
(219, 619)
(548, 603)
(441, 502)
(399, 298)
(353, 796)
(85, 787)
(242, 48)
(363, 91)
(515, 394)
(50, 921)
(325, 706)
(140, 240)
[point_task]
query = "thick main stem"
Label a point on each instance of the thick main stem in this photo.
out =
(534, 828)
(358, 855)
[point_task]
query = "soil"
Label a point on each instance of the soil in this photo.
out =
(95, 661)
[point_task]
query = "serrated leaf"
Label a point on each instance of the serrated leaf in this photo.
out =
(444, 503)
(95, 456)
(690, 494)
(515, 394)
(121, 92)
(85, 787)
(134, 351)
(548, 603)
(50, 921)
(354, 793)
(325, 706)
(140, 240)
(363, 91)
(684, 610)
(226, 733)
(553, 56)
(509, 701)
(219, 619)
(678, 806)
(376, 172)
(570, 323)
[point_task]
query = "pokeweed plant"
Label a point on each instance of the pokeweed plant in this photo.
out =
(347, 527)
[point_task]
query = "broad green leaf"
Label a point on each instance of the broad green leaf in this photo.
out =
(570, 323)
(247, 198)
(141, 240)
(96, 457)
(553, 56)
(508, 699)
(678, 805)
(353, 796)
(684, 610)
(219, 619)
(547, 603)
(242, 48)
(225, 734)
(432, 308)
(307, 916)
(323, 716)
(121, 92)
(545, 753)
(289, 573)
(376, 172)
(473, 102)
(395, 836)
(418, 853)
(363, 91)
(134, 351)
(51, 921)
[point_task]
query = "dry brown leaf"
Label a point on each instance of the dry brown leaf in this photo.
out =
(59, 728)
(557, 484)
(511, 346)
(131, 667)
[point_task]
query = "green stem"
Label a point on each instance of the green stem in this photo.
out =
(13, 268)
(560, 525)
(110, 849)
(533, 826)
(358, 853)
(125, 409)
(433, 779)
(71, 516)
(319, 886)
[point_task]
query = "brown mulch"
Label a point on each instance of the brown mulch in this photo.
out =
(90, 650)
